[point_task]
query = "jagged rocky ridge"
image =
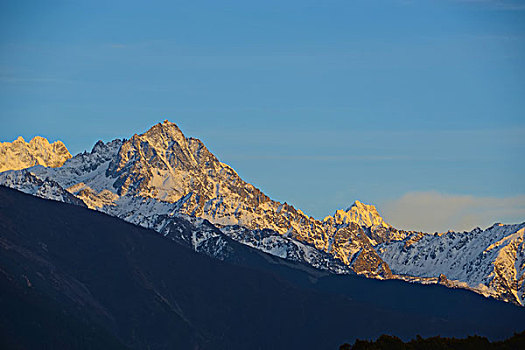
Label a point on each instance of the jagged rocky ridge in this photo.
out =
(20, 154)
(159, 178)
(490, 261)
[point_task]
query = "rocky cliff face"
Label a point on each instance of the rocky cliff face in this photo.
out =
(160, 175)
(20, 154)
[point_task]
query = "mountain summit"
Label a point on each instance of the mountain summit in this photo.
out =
(161, 172)
(359, 213)
(159, 177)
(20, 154)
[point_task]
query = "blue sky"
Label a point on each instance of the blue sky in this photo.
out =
(413, 106)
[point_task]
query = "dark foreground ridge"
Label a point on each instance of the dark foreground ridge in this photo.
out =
(387, 342)
(74, 278)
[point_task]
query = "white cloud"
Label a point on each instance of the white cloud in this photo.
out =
(433, 211)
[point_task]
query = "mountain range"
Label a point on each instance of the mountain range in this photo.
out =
(165, 181)
(74, 278)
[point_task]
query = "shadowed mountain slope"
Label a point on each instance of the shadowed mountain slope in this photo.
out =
(117, 284)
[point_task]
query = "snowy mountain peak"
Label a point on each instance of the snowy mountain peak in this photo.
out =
(360, 206)
(163, 164)
(98, 146)
(164, 132)
(154, 177)
(20, 154)
(359, 213)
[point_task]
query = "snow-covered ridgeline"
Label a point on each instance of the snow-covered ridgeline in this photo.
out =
(161, 179)
(29, 183)
(490, 261)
